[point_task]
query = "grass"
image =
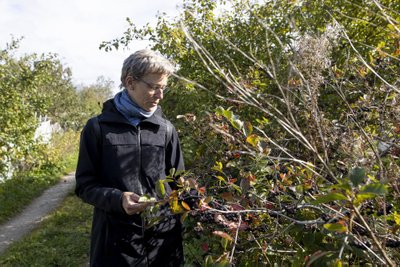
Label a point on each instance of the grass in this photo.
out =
(19, 191)
(62, 239)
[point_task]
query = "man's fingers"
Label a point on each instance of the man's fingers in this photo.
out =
(130, 203)
(137, 207)
(134, 197)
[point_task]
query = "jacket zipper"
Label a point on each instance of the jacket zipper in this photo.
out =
(140, 151)
(140, 177)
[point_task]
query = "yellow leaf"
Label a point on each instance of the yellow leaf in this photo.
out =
(397, 218)
(185, 205)
(174, 205)
(222, 179)
(208, 199)
(335, 227)
(218, 166)
(338, 263)
(253, 139)
(184, 216)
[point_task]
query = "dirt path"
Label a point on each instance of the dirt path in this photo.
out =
(33, 214)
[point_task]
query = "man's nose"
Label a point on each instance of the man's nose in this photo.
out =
(159, 94)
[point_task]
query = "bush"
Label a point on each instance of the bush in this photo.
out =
(289, 108)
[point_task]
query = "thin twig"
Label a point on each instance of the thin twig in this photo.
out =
(271, 212)
(261, 248)
(384, 254)
(342, 248)
(367, 248)
(236, 238)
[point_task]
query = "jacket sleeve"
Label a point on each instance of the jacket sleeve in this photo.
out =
(174, 156)
(88, 174)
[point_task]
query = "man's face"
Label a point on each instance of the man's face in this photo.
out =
(147, 91)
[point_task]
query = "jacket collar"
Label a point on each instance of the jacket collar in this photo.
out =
(111, 114)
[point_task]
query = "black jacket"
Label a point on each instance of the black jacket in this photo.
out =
(128, 158)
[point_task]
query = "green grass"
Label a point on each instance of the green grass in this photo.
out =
(62, 239)
(19, 191)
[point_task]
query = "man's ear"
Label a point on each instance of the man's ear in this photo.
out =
(129, 81)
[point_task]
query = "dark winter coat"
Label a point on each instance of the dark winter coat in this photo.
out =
(128, 158)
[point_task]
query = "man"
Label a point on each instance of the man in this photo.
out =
(123, 153)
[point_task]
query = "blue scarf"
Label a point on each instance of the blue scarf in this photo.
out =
(131, 111)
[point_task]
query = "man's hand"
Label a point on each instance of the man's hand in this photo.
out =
(131, 205)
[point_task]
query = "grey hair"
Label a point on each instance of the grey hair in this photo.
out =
(143, 62)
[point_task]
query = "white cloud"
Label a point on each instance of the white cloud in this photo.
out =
(74, 30)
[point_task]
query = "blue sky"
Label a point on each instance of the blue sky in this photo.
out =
(74, 29)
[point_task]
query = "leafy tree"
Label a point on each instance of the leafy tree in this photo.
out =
(93, 96)
(32, 86)
(23, 98)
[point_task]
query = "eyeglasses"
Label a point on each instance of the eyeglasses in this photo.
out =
(153, 87)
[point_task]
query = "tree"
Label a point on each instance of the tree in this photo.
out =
(34, 86)
(24, 96)
(93, 96)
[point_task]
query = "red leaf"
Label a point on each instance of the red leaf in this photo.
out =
(204, 247)
(251, 177)
(236, 207)
(269, 206)
(232, 181)
(202, 190)
(227, 196)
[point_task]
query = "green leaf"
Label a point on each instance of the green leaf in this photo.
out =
(219, 111)
(375, 188)
(237, 188)
(224, 243)
(343, 186)
(363, 196)
(172, 172)
(224, 112)
(238, 124)
(329, 197)
(335, 227)
(357, 175)
(208, 262)
(160, 188)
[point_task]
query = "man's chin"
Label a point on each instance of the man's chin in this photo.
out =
(152, 108)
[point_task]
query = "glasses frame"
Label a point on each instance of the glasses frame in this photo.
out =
(163, 89)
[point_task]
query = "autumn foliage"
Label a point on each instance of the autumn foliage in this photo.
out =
(288, 115)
